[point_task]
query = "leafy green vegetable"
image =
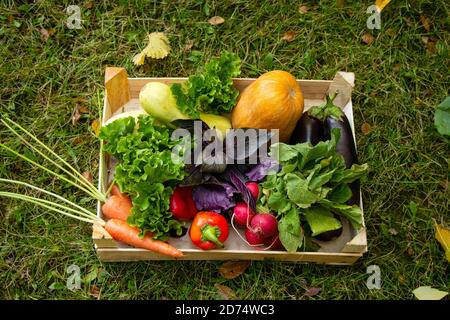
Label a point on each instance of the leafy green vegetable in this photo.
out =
(291, 234)
(209, 91)
(442, 117)
(321, 220)
(327, 109)
(313, 183)
(352, 213)
(145, 171)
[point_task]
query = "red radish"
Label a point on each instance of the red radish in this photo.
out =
(253, 238)
(274, 242)
(243, 215)
(264, 224)
(253, 188)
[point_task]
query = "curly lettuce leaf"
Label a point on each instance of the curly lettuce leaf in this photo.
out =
(212, 90)
(145, 171)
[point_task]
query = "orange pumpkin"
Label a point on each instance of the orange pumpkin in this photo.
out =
(273, 101)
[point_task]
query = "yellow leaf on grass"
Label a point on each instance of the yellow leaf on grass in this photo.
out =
(429, 293)
(216, 20)
(443, 236)
(96, 127)
(381, 4)
(289, 36)
(425, 22)
(158, 47)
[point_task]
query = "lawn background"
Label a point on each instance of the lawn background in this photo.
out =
(400, 78)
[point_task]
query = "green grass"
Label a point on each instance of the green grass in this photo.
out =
(398, 85)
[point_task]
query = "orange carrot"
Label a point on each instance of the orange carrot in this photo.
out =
(121, 231)
(117, 207)
(115, 191)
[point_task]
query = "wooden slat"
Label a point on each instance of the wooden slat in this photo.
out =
(312, 89)
(123, 254)
(358, 244)
(117, 87)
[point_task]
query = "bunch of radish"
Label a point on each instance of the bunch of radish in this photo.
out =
(260, 229)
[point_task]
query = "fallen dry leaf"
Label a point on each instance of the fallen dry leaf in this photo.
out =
(311, 292)
(391, 32)
(381, 4)
(83, 109)
(425, 22)
(44, 34)
(366, 128)
(225, 292)
(88, 176)
(303, 9)
(96, 127)
(340, 3)
(393, 232)
(396, 67)
(89, 4)
(431, 44)
(409, 22)
(10, 19)
(78, 140)
(188, 46)
(367, 38)
(443, 236)
(429, 293)
(410, 251)
(216, 20)
(95, 292)
(158, 47)
(444, 185)
(233, 269)
(76, 115)
(289, 36)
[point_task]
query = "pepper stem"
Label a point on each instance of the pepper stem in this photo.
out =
(210, 233)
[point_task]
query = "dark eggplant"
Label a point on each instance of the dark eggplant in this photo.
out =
(332, 234)
(346, 144)
(333, 117)
(345, 147)
(329, 235)
(308, 129)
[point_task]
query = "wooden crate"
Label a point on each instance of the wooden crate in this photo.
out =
(122, 93)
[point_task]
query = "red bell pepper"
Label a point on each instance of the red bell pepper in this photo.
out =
(209, 230)
(182, 203)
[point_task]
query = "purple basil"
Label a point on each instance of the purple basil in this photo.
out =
(265, 167)
(214, 197)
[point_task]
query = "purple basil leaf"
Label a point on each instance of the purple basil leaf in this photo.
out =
(261, 170)
(213, 197)
(238, 181)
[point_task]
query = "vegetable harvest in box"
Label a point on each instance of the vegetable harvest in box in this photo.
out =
(298, 194)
